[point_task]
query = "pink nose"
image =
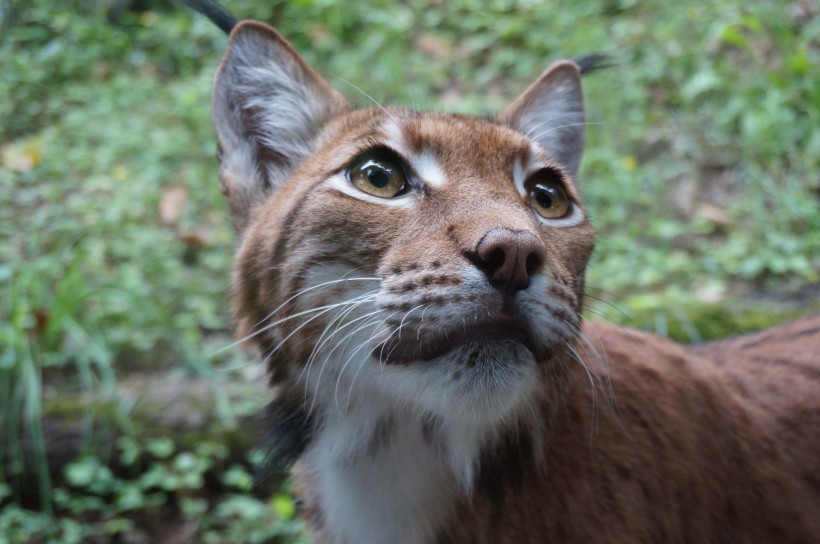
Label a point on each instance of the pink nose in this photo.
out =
(510, 257)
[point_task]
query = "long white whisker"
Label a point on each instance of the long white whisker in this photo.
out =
(324, 337)
(322, 341)
(301, 292)
(548, 121)
(323, 311)
(280, 321)
(311, 288)
(376, 102)
(553, 129)
(364, 360)
(602, 362)
(592, 380)
(341, 342)
(361, 346)
(306, 322)
(397, 330)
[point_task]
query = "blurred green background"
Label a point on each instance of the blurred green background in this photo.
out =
(123, 418)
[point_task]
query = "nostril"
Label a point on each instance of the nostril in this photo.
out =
(495, 258)
(509, 258)
(534, 262)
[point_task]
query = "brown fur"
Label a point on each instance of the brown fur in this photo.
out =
(717, 443)
(614, 436)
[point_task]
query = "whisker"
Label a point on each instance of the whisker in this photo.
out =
(395, 331)
(553, 129)
(361, 346)
(346, 306)
(311, 288)
(593, 386)
(362, 363)
(306, 322)
(598, 313)
(604, 366)
(320, 342)
(376, 102)
(548, 121)
(626, 316)
(284, 319)
(319, 346)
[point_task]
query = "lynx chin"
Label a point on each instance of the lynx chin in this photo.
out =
(414, 283)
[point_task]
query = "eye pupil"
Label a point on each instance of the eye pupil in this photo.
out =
(378, 177)
(549, 199)
(378, 173)
(543, 198)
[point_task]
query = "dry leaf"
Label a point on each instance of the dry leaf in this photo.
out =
(714, 214)
(710, 294)
(22, 157)
(435, 47)
(172, 204)
(198, 237)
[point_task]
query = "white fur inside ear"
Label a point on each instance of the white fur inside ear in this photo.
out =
(551, 112)
(268, 107)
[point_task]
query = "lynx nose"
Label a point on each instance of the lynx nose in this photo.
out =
(510, 257)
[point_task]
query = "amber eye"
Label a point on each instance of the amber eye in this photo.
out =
(548, 197)
(378, 173)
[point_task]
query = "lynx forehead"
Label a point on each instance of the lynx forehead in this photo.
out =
(423, 157)
(414, 282)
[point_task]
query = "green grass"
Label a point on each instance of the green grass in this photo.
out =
(700, 177)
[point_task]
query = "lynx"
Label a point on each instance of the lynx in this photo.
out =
(414, 283)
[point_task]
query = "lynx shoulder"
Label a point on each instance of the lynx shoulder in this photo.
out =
(414, 283)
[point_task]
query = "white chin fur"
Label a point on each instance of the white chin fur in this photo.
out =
(470, 405)
(485, 392)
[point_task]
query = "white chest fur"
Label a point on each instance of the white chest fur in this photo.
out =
(383, 475)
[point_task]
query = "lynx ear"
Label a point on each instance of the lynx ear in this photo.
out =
(268, 107)
(551, 112)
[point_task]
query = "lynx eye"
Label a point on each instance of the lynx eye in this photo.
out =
(547, 195)
(378, 173)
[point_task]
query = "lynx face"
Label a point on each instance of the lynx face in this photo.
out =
(436, 259)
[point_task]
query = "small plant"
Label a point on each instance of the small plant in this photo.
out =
(148, 482)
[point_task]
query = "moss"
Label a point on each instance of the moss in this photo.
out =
(717, 322)
(74, 424)
(696, 323)
(77, 407)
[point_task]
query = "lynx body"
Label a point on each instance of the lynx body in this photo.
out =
(414, 282)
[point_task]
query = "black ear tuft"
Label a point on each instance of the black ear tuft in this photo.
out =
(594, 62)
(213, 11)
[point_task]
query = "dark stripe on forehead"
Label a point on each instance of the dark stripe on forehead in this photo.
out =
(461, 142)
(525, 155)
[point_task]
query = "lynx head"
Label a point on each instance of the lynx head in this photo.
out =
(434, 261)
